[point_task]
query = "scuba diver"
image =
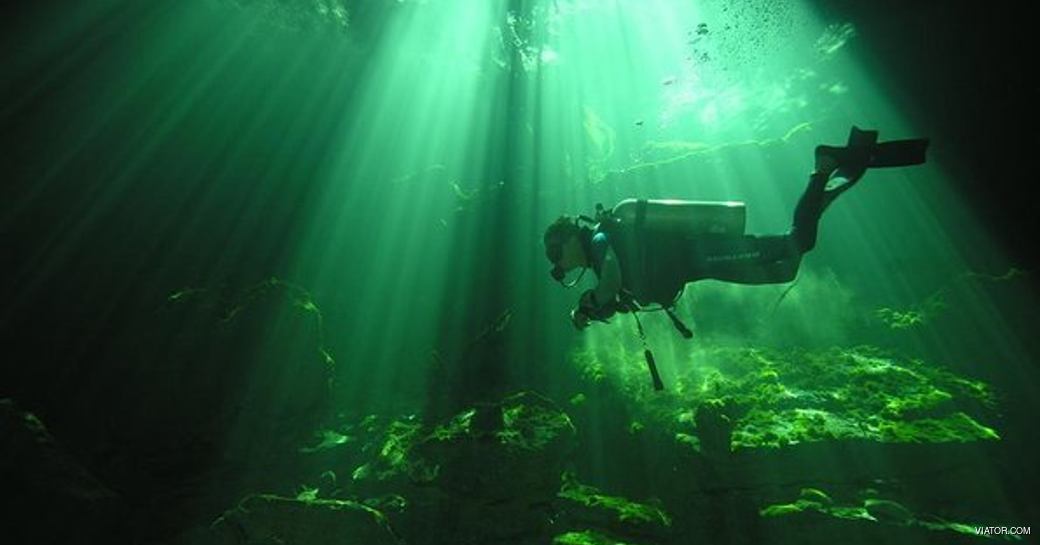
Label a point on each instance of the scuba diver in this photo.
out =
(644, 252)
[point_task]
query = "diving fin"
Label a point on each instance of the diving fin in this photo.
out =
(862, 151)
(899, 153)
(861, 139)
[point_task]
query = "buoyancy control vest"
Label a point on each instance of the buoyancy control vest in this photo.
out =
(652, 237)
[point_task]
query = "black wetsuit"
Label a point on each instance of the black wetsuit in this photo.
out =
(655, 266)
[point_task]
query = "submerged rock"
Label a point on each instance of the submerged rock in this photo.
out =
(888, 511)
(508, 450)
(247, 368)
(878, 520)
(265, 520)
(815, 495)
(752, 398)
(488, 450)
(486, 475)
(55, 499)
(583, 506)
(587, 537)
(714, 428)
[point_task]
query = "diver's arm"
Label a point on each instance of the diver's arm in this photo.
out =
(600, 303)
(609, 280)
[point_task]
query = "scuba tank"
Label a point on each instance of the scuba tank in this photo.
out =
(645, 231)
(680, 217)
(643, 218)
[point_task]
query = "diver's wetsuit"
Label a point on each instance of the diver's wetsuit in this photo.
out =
(653, 268)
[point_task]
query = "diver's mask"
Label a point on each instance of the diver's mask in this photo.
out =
(554, 251)
(556, 237)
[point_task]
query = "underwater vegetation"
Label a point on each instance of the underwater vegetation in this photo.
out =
(420, 386)
(507, 469)
(774, 398)
(624, 510)
(739, 431)
(932, 307)
(816, 503)
(273, 519)
(493, 473)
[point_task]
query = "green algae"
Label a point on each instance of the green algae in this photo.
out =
(888, 511)
(954, 428)
(266, 518)
(931, 309)
(307, 494)
(458, 426)
(393, 444)
(400, 437)
(530, 422)
(228, 305)
(885, 512)
(767, 398)
(624, 510)
(525, 422)
(691, 441)
(328, 439)
(784, 509)
(586, 537)
(815, 495)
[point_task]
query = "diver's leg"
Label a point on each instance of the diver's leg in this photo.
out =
(821, 191)
(746, 259)
(808, 211)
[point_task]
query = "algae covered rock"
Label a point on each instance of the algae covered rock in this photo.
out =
(586, 506)
(487, 474)
(499, 465)
(504, 450)
(714, 427)
(957, 427)
(267, 519)
(56, 499)
(877, 520)
(749, 398)
(493, 450)
(250, 361)
(815, 495)
(888, 511)
(587, 537)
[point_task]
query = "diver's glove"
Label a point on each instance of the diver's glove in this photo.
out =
(579, 319)
(595, 310)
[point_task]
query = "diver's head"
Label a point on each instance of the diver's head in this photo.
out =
(565, 246)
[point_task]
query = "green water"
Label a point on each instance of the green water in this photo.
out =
(294, 248)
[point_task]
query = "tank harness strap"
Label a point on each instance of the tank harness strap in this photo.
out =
(639, 230)
(641, 205)
(683, 330)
